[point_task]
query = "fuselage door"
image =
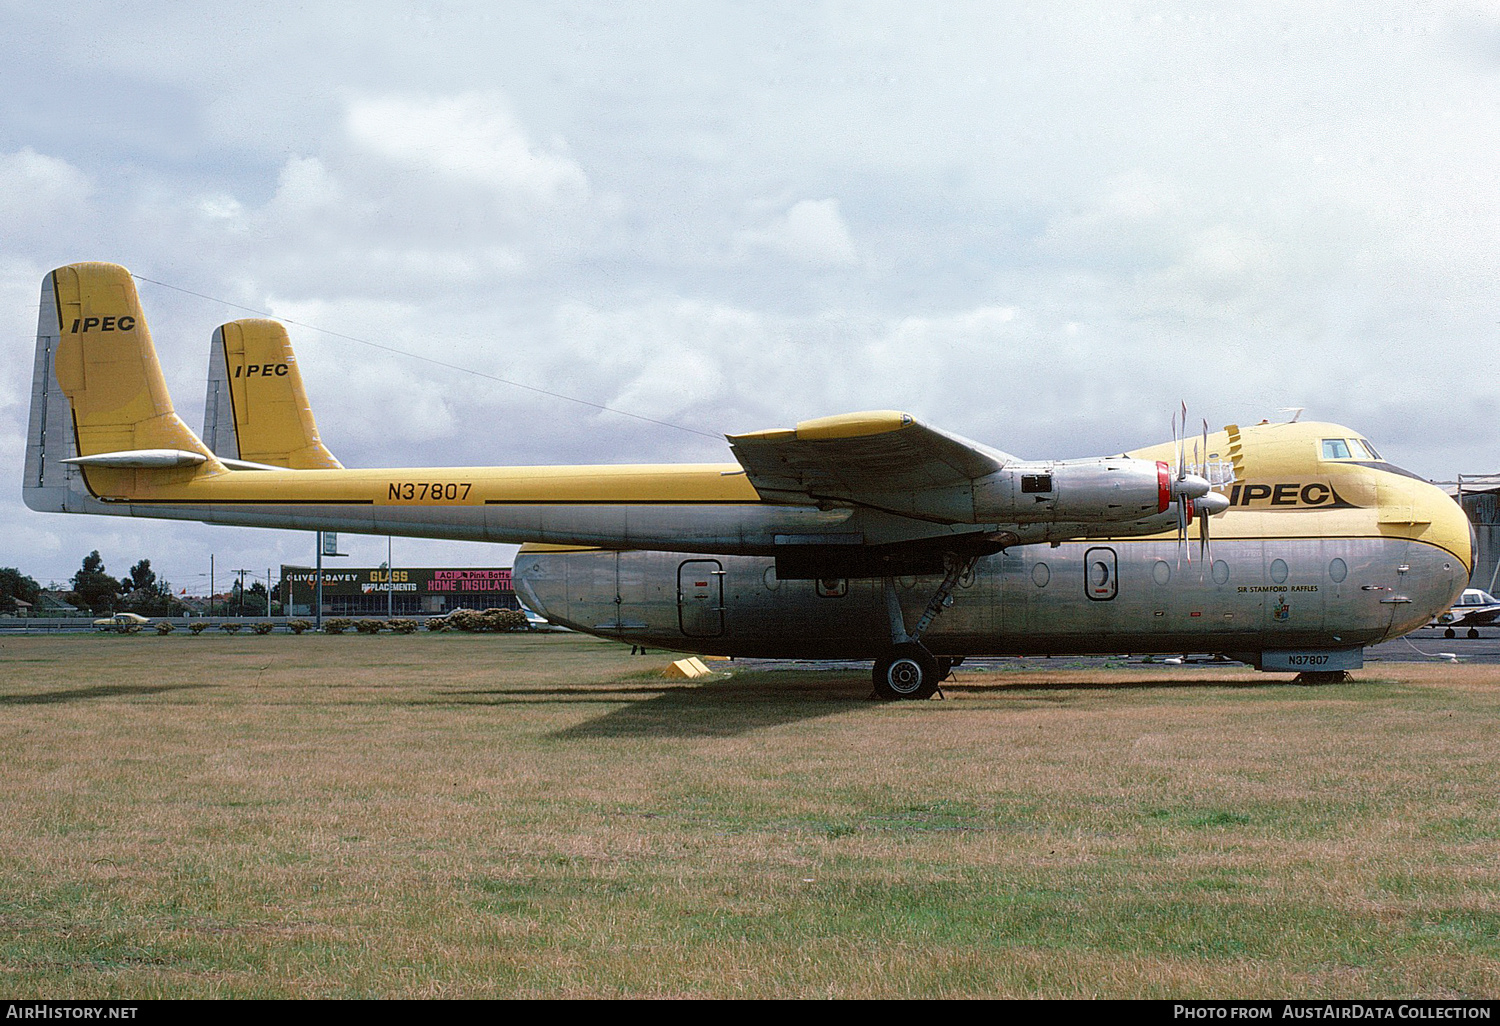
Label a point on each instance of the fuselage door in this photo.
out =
(1100, 574)
(700, 598)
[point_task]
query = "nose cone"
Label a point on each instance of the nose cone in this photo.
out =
(1213, 503)
(1191, 485)
(1449, 532)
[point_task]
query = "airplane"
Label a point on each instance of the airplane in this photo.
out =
(1474, 609)
(860, 536)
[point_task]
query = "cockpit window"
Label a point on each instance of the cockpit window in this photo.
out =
(1335, 449)
(1363, 449)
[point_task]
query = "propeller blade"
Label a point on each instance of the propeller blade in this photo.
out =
(1208, 506)
(1181, 531)
(1188, 513)
(1180, 440)
(1205, 551)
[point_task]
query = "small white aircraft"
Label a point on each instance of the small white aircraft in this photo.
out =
(1474, 609)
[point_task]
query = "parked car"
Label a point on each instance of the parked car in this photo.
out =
(121, 622)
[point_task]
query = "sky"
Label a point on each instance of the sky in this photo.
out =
(1040, 226)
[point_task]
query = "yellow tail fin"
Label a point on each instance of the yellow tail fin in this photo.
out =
(257, 409)
(106, 365)
(102, 423)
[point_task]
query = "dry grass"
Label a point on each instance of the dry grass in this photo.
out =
(495, 816)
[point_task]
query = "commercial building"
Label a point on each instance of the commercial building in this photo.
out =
(406, 591)
(1479, 495)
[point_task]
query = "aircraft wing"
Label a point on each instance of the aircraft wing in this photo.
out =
(877, 458)
(1483, 616)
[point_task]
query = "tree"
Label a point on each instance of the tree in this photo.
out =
(142, 577)
(93, 587)
(16, 585)
(146, 594)
(254, 600)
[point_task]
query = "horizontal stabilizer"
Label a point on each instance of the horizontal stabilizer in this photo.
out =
(141, 459)
(247, 465)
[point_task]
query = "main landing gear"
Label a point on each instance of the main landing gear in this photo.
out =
(908, 670)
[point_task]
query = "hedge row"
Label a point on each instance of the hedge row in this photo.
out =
(468, 620)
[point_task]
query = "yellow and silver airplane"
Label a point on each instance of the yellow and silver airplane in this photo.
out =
(867, 535)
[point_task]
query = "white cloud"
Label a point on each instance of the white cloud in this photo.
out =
(810, 232)
(305, 185)
(473, 137)
(39, 194)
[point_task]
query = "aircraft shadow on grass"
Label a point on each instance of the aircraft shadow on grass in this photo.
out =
(1002, 688)
(99, 691)
(724, 708)
(737, 706)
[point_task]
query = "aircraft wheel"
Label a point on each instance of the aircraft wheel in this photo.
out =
(908, 671)
(1449, 633)
(1473, 632)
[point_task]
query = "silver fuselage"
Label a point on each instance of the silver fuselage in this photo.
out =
(1259, 595)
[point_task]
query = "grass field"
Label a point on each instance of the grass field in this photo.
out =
(546, 816)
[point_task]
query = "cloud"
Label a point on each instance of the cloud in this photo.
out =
(39, 194)
(811, 232)
(472, 138)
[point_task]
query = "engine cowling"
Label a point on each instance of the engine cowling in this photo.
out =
(1108, 490)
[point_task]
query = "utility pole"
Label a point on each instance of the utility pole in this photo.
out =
(210, 584)
(268, 593)
(318, 598)
(390, 575)
(328, 544)
(242, 574)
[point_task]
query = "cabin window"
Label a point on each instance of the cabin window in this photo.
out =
(1335, 449)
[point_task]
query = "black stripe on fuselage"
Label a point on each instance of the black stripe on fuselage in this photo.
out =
(625, 502)
(242, 502)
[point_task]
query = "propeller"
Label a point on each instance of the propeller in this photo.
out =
(1206, 505)
(1193, 493)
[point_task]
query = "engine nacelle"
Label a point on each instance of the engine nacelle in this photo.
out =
(1115, 489)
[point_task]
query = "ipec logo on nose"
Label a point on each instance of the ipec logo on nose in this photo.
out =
(1289, 493)
(126, 323)
(264, 370)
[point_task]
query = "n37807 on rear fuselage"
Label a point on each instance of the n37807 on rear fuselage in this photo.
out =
(867, 535)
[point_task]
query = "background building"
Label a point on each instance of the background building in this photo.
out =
(1479, 494)
(414, 591)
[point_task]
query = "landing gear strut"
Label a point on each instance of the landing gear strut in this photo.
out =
(908, 670)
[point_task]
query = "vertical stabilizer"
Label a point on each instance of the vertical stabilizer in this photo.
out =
(256, 409)
(97, 391)
(48, 484)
